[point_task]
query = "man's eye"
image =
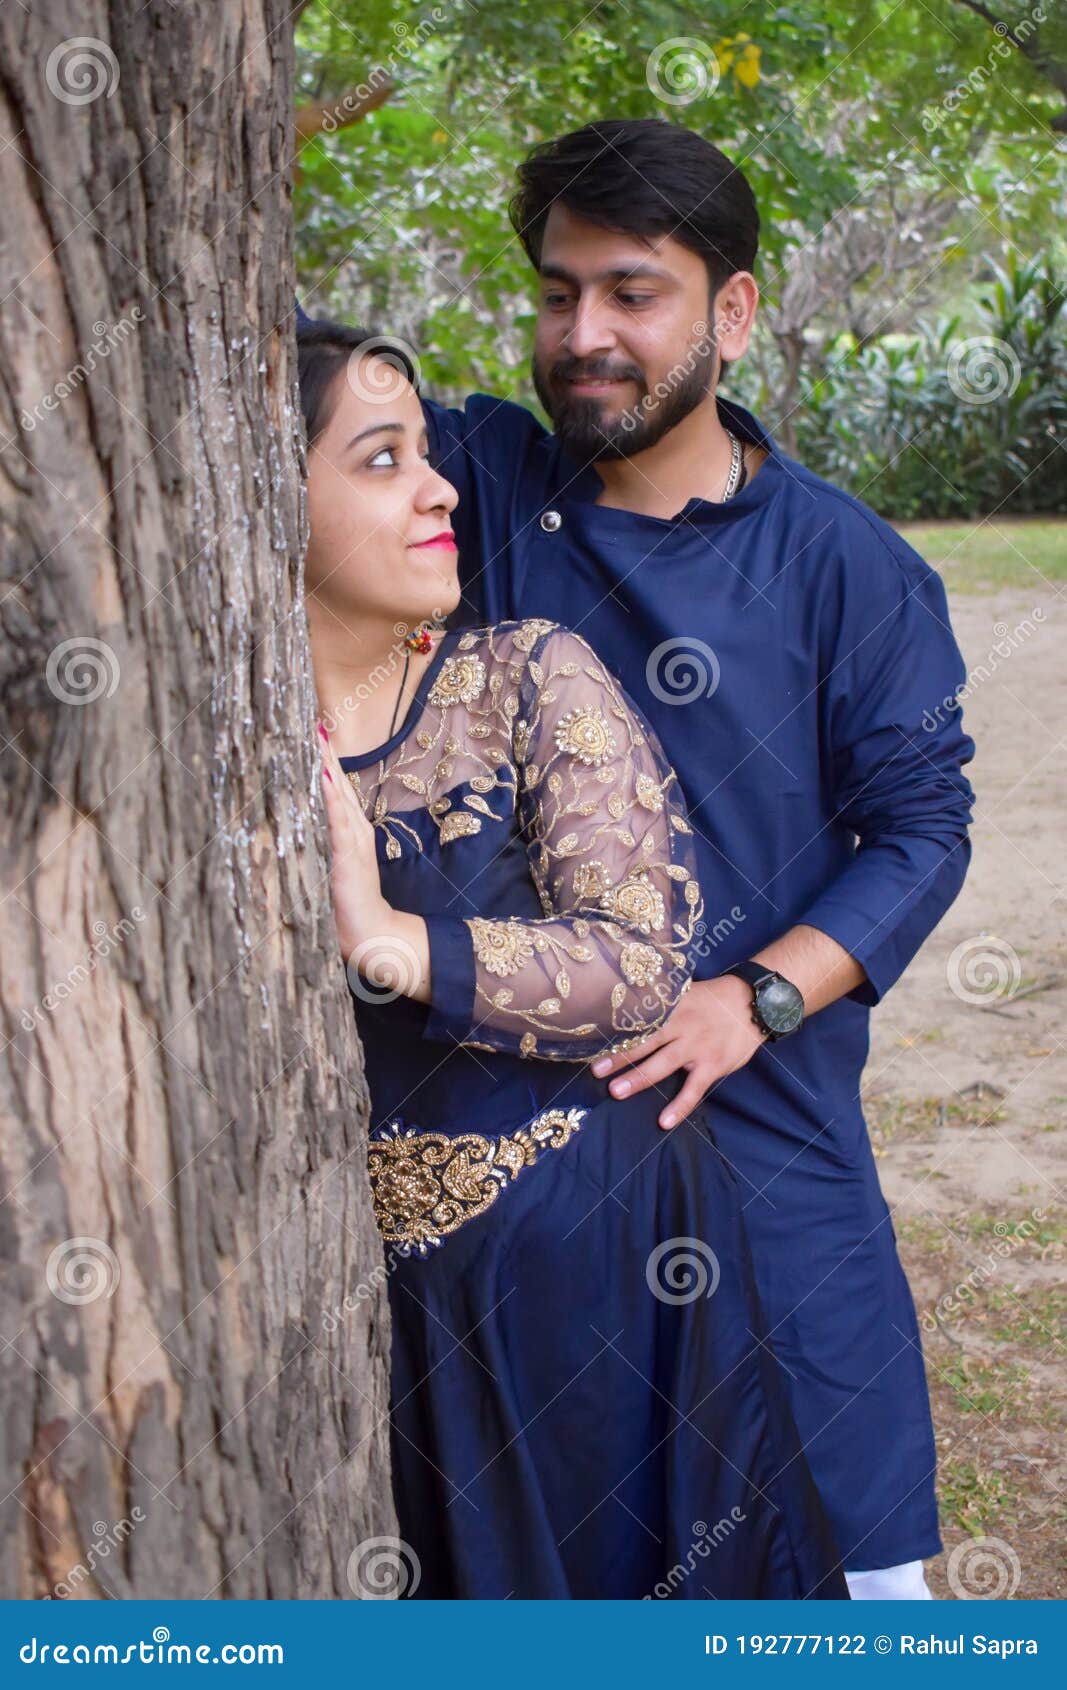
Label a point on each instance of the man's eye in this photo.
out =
(555, 300)
(632, 299)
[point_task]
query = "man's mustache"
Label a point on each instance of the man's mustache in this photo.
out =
(579, 369)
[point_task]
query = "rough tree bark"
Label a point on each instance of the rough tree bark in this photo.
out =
(186, 1408)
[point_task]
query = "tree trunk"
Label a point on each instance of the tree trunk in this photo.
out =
(188, 1410)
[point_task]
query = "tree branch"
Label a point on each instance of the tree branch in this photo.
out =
(342, 113)
(1029, 45)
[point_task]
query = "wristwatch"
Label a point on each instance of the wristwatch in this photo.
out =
(777, 1005)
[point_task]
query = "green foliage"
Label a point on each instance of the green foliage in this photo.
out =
(911, 426)
(857, 108)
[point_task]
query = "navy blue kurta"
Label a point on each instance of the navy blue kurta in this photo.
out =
(795, 656)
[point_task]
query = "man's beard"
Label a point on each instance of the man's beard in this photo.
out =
(587, 435)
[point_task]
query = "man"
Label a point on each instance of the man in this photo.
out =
(788, 647)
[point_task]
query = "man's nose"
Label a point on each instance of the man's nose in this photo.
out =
(589, 333)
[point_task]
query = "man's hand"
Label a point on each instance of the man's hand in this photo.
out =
(710, 1034)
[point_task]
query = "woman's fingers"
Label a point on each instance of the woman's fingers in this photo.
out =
(337, 813)
(341, 785)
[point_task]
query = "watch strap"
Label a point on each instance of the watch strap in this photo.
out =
(754, 973)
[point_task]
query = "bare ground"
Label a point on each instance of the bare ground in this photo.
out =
(967, 1097)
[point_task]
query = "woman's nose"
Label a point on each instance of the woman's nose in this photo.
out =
(437, 494)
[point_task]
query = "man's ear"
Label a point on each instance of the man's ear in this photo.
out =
(734, 314)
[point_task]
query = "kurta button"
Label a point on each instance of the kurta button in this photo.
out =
(550, 521)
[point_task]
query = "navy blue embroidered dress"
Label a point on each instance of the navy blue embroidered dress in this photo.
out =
(582, 1404)
(795, 657)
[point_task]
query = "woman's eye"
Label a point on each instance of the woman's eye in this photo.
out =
(388, 452)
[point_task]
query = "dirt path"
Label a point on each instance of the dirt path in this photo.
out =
(967, 1097)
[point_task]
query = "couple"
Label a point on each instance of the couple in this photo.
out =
(573, 939)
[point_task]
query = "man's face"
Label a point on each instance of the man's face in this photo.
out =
(624, 345)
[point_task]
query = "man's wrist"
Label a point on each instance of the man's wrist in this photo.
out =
(776, 1004)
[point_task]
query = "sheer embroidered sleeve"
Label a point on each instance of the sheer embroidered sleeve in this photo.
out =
(611, 855)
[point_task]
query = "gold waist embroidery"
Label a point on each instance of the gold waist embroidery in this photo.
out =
(426, 1184)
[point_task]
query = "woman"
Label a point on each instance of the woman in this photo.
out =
(579, 1389)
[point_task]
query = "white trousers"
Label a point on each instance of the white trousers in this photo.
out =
(905, 1583)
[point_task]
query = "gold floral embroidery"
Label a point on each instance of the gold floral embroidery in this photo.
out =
(536, 744)
(640, 964)
(502, 947)
(526, 637)
(461, 681)
(585, 733)
(426, 1185)
(636, 901)
(649, 793)
(460, 824)
(591, 879)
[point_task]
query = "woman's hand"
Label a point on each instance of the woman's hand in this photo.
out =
(386, 951)
(360, 910)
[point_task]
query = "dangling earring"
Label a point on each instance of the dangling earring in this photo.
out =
(419, 640)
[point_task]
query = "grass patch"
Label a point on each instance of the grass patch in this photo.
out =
(989, 1388)
(919, 1233)
(894, 1117)
(972, 1497)
(1023, 1232)
(996, 552)
(1033, 1318)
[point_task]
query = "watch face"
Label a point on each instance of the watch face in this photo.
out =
(781, 1006)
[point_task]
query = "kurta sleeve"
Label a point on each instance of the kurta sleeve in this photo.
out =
(612, 856)
(896, 750)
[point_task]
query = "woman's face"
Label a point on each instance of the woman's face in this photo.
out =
(381, 543)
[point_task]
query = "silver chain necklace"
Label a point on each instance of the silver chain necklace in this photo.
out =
(737, 462)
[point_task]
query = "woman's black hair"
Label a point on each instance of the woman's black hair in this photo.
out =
(644, 177)
(323, 350)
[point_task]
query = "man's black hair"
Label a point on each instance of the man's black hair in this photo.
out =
(647, 178)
